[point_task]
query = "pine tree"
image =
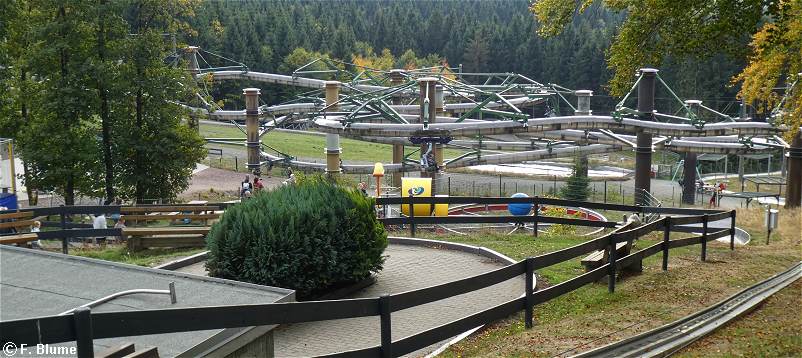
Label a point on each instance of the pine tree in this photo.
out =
(577, 185)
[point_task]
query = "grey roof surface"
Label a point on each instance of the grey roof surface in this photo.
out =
(35, 283)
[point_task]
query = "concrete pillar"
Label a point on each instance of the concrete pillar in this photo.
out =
(643, 149)
(333, 148)
(396, 79)
(428, 113)
(252, 129)
(583, 102)
(793, 188)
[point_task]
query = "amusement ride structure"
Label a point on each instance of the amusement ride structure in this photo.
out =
(498, 118)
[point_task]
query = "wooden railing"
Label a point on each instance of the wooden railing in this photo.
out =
(84, 326)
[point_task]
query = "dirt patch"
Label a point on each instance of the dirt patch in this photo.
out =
(220, 182)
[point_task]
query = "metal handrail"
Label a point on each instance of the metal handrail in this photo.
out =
(95, 303)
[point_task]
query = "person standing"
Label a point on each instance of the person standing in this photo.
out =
(99, 222)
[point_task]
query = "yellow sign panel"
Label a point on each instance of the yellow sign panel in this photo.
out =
(417, 187)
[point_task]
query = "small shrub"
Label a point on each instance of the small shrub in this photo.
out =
(308, 237)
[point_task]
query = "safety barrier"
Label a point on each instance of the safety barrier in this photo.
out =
(83, 326)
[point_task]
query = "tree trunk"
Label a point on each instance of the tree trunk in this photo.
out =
(69, 180)
(104, 105)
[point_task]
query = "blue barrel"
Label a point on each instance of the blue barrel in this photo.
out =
(519, 209)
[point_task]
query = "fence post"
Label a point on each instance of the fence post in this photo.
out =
(65, 248)
(732, 230)
(666, 234)
(611, 265)
(529, 310)
(537, 212)
(704, 237)
(82, 321)
(449, 186)
(605, 192)
(385, 326)
(499, 185)
(236, 164)
(411, 217)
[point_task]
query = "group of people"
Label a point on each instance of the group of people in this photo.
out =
(247, 189)
(715, 194)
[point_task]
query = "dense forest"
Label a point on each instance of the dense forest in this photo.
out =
(482, 36)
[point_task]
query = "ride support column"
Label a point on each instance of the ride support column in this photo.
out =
(252, 129)
(428, 115)
(689, 167)
(333, 149)
(397, 79)
(793, 188)
(643, 149)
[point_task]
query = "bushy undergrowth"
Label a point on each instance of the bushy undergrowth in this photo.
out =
(308, 237)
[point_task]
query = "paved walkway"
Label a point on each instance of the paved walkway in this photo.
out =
(406, 268)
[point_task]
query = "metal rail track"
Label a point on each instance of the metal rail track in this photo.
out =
(668, 339)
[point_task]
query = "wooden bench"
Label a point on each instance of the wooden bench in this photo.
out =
(145, 237)
(19, 220)
(18, 238)
(136, 214)
(599, 258)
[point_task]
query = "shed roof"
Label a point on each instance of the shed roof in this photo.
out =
(36, 283)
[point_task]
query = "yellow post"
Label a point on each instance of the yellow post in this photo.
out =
(378, 173)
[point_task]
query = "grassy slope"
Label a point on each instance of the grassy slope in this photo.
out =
(773, 330)
(312, 146)
(149, 258)
(590, 316)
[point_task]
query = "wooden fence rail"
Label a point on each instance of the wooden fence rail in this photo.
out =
(85, 326)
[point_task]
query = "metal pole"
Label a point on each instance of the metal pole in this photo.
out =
(385, 326)
(535, 214)
(65, 246)
(411, 217)
(666, 238)
(611, 265)
(605, 192)
(643, 149)
(82, 321)
(530, 301)
(704, 237)
(732, 230)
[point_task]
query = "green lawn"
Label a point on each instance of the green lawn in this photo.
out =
(149, 257)
(312, 146)
(590, 316)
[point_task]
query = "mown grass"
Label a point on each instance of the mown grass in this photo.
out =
(148, 258)
(312, 146)
(590, 316)
(774, 330)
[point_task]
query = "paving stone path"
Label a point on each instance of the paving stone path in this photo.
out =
(406, 268)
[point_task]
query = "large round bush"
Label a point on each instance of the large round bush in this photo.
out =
(309, 236)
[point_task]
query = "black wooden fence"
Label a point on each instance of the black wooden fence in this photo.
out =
(67, 229)
(535, 218)
(84, 326)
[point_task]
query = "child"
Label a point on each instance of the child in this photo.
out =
(35, 228)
